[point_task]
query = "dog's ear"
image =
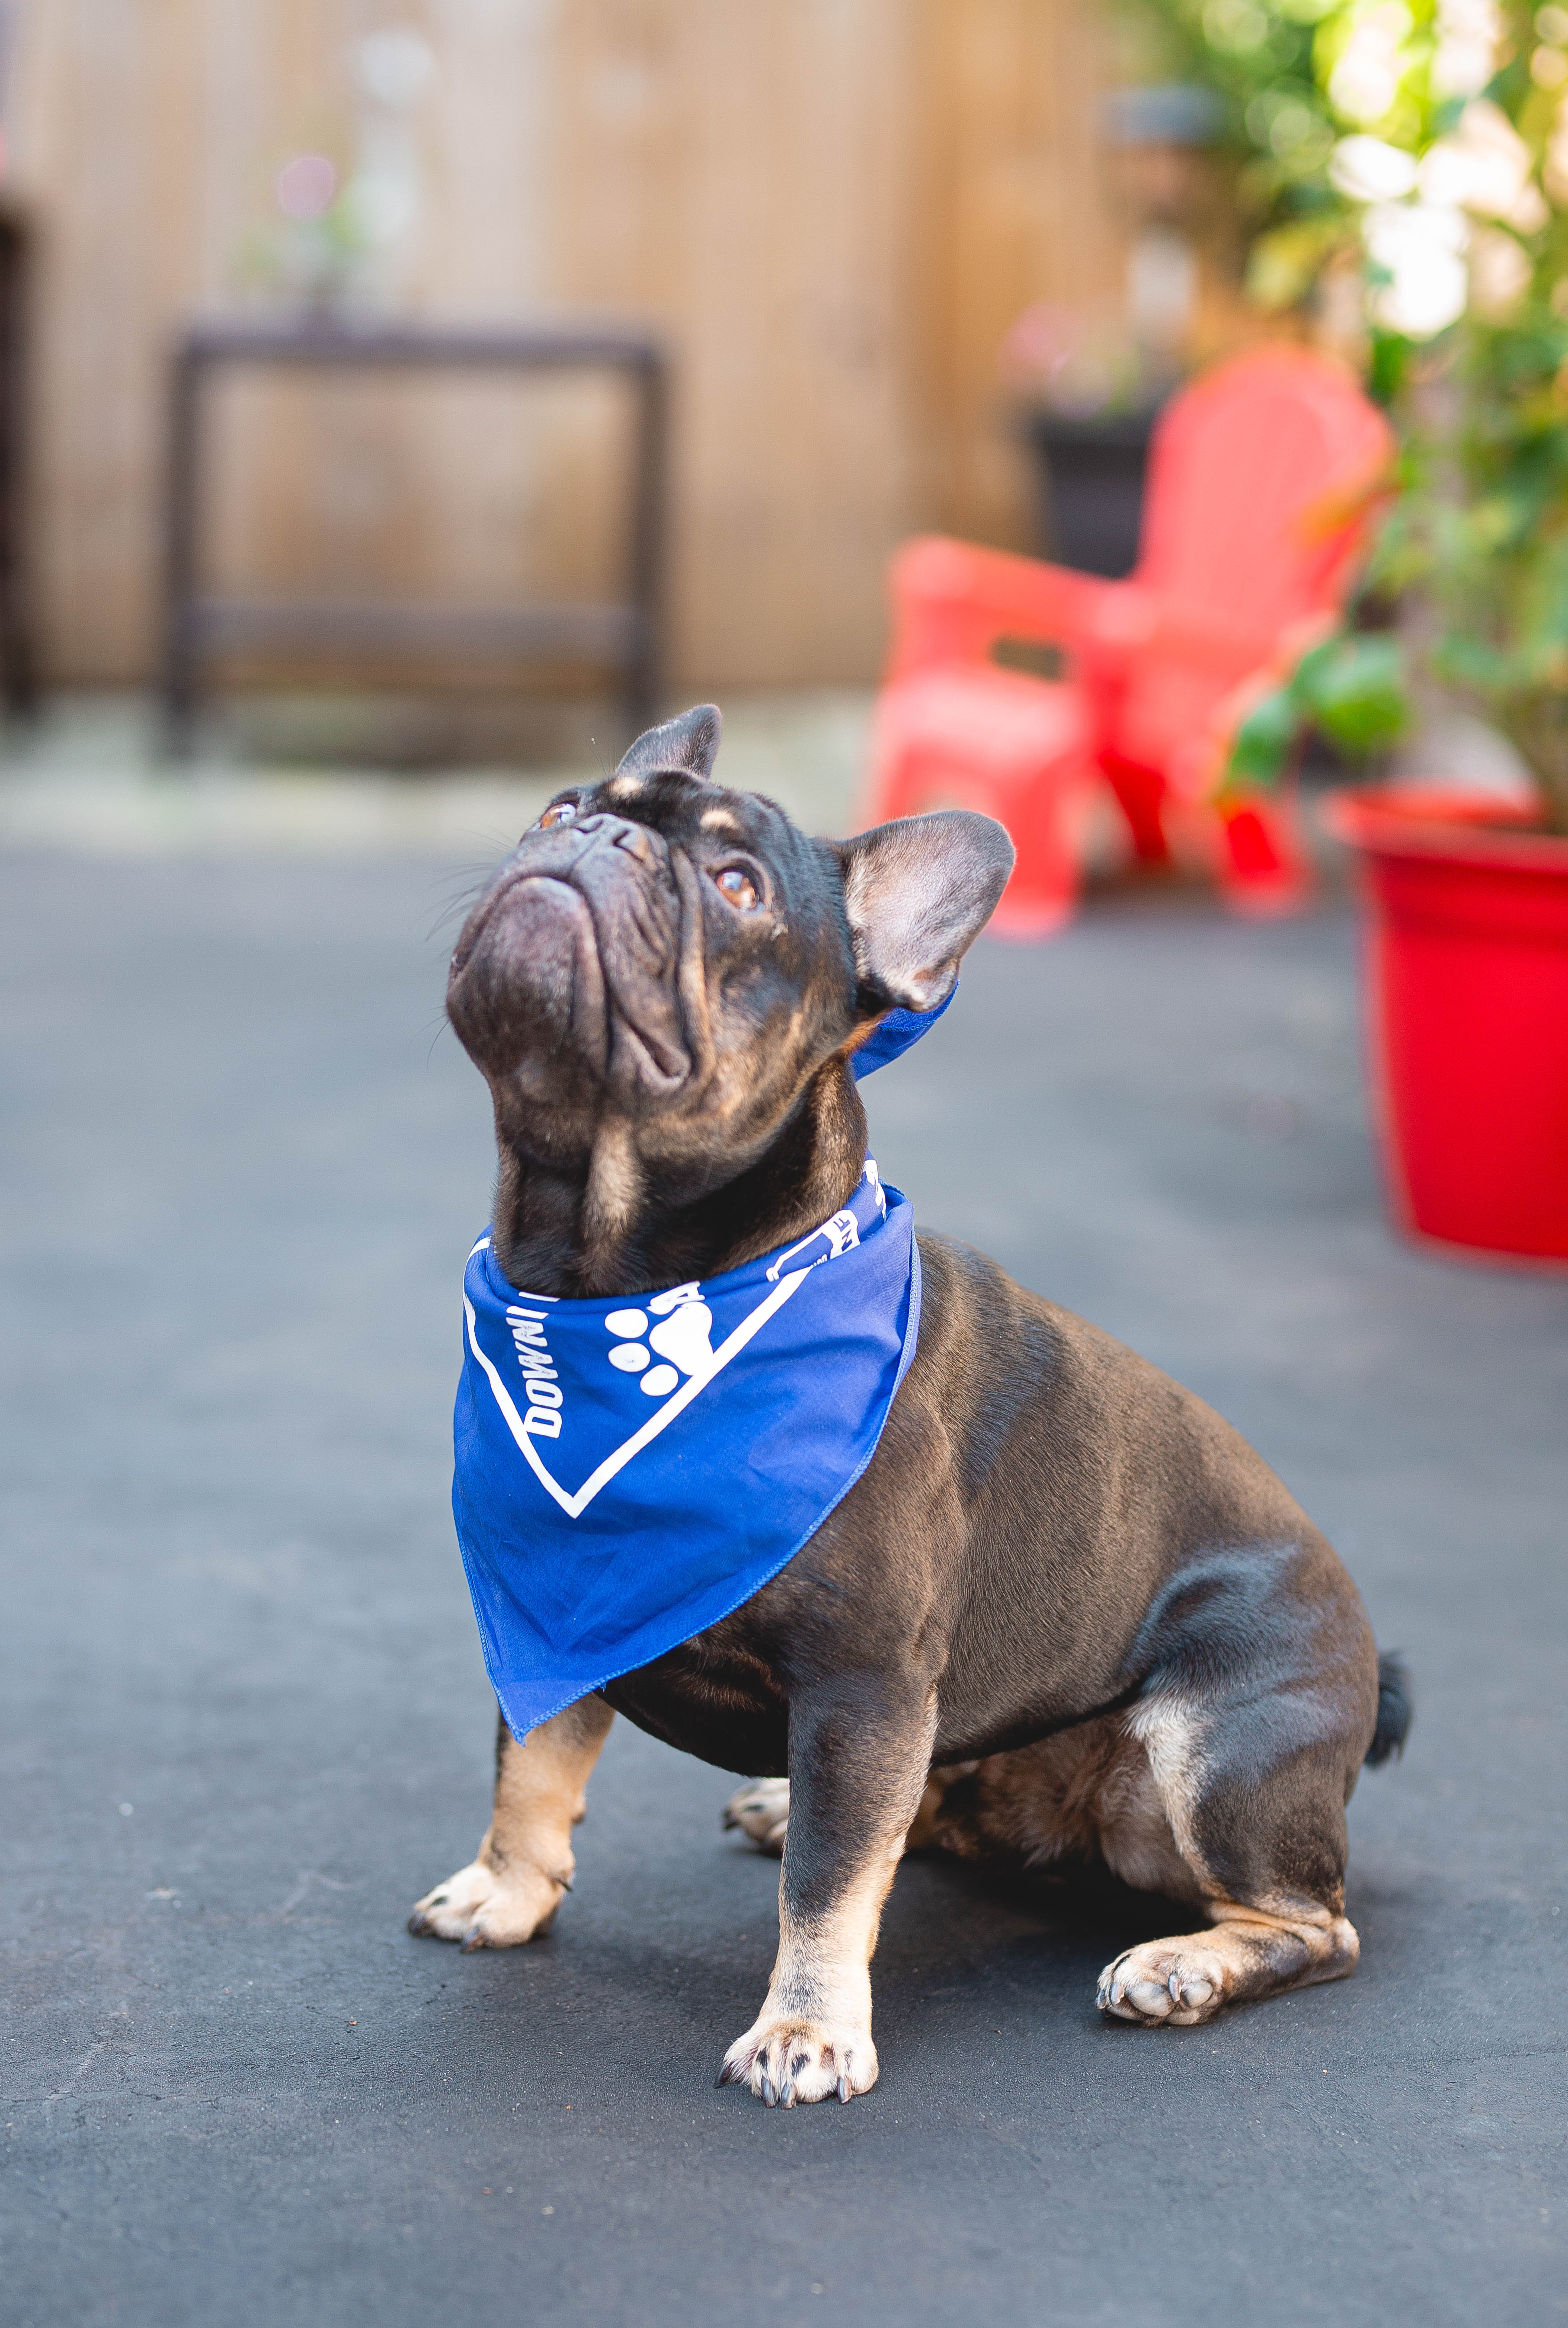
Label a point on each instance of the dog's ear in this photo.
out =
(689, 744)
(918, 892)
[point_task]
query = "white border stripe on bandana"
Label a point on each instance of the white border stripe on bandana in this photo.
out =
(575, 1506)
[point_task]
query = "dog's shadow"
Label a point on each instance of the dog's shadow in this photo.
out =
(947, 1917)
(653, 1992)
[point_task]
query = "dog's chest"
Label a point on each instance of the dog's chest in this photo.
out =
(715, 1697)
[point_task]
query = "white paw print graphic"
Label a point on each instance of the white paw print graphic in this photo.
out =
(681, 1335)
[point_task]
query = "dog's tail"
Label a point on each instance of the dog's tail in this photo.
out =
(1393, 1710)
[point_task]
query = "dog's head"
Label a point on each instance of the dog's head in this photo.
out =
(664, 954)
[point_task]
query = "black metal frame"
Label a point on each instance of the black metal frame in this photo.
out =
(18, 670)
(624, 635)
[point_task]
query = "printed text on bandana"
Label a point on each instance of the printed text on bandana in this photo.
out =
(539, 1379)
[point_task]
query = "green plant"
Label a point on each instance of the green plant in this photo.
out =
(1273, 127)
(1481, 529)
(1453, 164)
(1351, 687)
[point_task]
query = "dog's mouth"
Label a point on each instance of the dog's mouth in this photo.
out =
(584, 962)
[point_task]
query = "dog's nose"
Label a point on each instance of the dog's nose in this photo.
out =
(634, 839)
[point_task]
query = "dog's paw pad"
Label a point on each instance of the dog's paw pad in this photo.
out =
(486, 1909)
(761, 1811)
(784, 2063)
(1162, 1982)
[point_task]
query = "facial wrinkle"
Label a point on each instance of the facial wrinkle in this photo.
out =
(691, 968)
(635, 929)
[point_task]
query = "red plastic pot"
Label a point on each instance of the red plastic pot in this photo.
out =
(1468, 1012)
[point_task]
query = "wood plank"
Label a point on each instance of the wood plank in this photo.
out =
(833, 210)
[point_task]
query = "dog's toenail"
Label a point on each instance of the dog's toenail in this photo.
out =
(471, 1942)
(843, 2090)
(768, 2094)
(1174, 1985)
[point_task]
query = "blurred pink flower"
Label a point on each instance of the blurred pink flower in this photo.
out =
(306, 186)
(1042, 341)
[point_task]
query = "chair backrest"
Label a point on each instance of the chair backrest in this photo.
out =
(1247, 513)
(1254, 509)
(1254, 512)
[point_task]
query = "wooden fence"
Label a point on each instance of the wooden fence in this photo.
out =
(832, 209)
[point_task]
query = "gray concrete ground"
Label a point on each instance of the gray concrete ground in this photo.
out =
(246, 1721)
(91, 773)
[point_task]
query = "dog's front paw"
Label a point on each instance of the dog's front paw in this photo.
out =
(491, 1908)
(761, 1810)
(800, 2060)
(1177, 1982)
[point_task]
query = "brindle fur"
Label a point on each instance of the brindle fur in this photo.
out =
(1066, 1612)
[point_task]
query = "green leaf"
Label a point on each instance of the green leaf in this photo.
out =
(1390, 361)
(1264, 741)
(1471, 662)
(1352, 688)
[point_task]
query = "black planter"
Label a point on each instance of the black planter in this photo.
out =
(1091, 487)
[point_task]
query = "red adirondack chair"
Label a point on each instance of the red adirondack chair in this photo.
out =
(1259, 480)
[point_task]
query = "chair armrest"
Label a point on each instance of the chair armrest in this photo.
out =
(1142, 623)
(952, 601)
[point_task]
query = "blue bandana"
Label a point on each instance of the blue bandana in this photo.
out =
(629, 1471)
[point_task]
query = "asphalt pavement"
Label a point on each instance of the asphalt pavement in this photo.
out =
(246, 1722)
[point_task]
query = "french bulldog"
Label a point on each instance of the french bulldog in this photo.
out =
(1066, 1614)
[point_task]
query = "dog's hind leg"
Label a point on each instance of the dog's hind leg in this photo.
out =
(761, 1810)
(513, 1889)
(1256, 1812)
(1259, 1707)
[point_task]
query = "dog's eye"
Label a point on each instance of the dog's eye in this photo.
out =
(559, 812)
(737, 884)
